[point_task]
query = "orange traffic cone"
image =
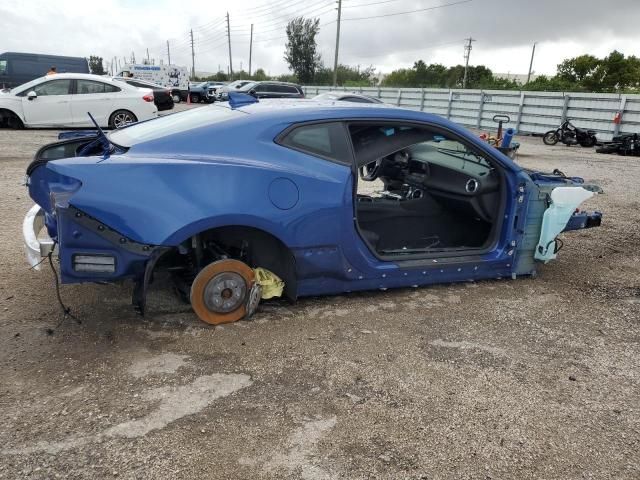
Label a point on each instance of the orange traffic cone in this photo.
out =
(189, 98)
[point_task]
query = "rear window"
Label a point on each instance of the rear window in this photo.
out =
(87, 87)
(170, 124)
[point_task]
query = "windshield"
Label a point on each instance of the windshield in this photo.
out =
(247, 86)
(170, 124)
(238, 84)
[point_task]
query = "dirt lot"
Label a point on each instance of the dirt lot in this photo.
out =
(533, 378)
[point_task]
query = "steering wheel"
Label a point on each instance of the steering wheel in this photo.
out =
(370, 171)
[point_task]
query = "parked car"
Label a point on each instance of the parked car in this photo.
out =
(18, 68)
(63, 100)
(347, 97)
(222, 94)
(162, 96)
(210, 194)
(204, 91)
(267, 90)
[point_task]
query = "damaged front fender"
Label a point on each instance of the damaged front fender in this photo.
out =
(562, 215)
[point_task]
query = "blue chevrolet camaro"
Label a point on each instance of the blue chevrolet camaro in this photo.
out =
(314, 197)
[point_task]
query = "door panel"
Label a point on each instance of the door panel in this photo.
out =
(93, 97)
(51, 107)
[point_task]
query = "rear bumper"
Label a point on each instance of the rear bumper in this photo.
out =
(36, 245)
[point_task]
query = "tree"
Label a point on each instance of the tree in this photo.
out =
(301, 48)
(259, 75)
(578, 69)
(95, 65)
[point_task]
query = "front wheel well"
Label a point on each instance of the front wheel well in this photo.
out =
(10, 119)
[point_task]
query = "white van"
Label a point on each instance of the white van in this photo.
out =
(171, 76)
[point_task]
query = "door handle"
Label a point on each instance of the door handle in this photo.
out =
(62, 101)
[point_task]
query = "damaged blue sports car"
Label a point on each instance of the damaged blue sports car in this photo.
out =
(316, 198)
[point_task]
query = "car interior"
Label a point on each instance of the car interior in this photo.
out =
(422, 192)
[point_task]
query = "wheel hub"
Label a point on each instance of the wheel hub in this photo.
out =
(220, 291)
(225, 292)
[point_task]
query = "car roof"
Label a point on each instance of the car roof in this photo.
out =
(78, 76)
(276, 82)
(70, 76)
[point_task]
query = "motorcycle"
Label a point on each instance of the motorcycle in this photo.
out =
(570, 135)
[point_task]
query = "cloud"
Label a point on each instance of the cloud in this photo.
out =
(504, 31)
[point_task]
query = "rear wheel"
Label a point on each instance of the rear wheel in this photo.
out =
(221, 291)
(195, 98)
(550, 138)
(121, 118)
(176, 97)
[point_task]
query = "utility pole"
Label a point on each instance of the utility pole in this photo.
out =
(250, 48)
(533, 52)
(229, 41)
(335, 60)
(133, 57)
(148, 59)
(193, 57)
(168, 52)
(467, 54)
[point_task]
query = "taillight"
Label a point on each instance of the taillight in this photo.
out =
(148, 97)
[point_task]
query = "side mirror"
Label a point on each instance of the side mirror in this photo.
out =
(32, 95)
(252, 92)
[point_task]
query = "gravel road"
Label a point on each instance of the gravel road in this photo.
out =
(532, 378)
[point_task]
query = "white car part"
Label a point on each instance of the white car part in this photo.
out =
(35, 247)
(564, 202)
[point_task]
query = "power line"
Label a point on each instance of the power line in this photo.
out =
(367, 4)
(410, 11)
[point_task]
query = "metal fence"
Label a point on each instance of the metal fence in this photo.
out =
(530, 112)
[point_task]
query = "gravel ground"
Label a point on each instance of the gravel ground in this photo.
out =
(532, 378)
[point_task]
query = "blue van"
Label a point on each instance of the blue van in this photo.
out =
(19, 68)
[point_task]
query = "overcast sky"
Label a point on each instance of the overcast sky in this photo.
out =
(504, 30)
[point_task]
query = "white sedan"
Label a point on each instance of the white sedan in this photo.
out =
(63, 100)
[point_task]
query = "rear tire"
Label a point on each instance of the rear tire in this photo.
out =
(176, 97)
(195, 98)
(550, 138)
(121, 118)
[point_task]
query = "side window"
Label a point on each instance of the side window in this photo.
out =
(55, 87)
(327, 140)
(86, 87)
(291, 90)
(111, 88)
(3, 67)
(262, 88)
